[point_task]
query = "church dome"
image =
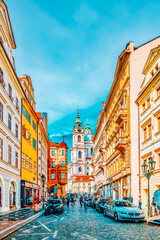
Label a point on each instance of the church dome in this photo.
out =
(78, 123)
(63, 144)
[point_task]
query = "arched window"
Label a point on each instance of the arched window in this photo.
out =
(91, 151)
(79, 169)
(79, 154)
(12, 194)
(79, 138)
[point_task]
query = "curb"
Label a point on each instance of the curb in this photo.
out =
(154, 222)
(4, 233)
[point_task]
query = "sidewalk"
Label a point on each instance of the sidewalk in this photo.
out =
(9, 226)
(154, 220)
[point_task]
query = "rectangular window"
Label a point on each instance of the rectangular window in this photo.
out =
(34, 167)
(23, 160)
(53, 164)
(9, 154)
(158, 124)
(62, 163)
(1, 111)
(34, 143)
(59, 152)
(158, 92)
(62, 152)
(1, 148)
(17, 104)
(143, 107)
(27, 162)
(16, 159)
(23, 110)
(10, 91)
(30, 164)
(78, 184)
(149, 131)
(16, 130)
(29, 118)
(145, 133)
(53, 176)
(9, 121)
(1, 75)
(148, 102)
(53, 153)
(62, 175)
(34, 126)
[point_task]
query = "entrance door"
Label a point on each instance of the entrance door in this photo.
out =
(157, 197)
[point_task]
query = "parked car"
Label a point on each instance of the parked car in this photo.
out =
(100, 204)
(123, 210)
(53, 206)
(89, 201)
(93, 203)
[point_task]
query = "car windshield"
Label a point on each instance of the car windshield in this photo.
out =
(123, 204)
(55, 201)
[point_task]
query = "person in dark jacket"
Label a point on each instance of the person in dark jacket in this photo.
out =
(68, 201)
(81, 200)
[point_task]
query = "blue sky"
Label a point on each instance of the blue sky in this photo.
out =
(70, 49)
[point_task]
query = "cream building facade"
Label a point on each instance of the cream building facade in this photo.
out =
(10, 118)
(149, 116)
(116, 146)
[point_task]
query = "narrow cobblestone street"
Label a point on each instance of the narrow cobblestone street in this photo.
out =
(76, 224)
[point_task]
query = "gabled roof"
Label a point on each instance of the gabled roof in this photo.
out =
(151, 58)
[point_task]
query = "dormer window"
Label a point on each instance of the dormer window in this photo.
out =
(156, 67)
(152, 73)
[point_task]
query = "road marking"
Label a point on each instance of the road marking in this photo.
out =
(55, 234)
(62, 218)
(26, 231)
(45, 238)
(49, 230)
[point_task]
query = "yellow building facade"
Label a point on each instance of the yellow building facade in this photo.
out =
(29, 168)
(149, 116)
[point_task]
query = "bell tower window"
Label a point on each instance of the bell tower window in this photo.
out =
(79, 138)
(79, 154)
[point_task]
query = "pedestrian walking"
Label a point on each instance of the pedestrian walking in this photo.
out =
(81, 200)
(68, 201)
(130, 198)
(139, 203)
(72, 200)
(154, 203)
(85, 204)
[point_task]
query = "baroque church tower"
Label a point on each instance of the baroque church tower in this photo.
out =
(81, 152)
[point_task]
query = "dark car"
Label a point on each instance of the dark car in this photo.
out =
(54, 206)
(93, 203)
(100, 204)
(89, 201)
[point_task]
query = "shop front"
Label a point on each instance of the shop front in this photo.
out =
(29, 194)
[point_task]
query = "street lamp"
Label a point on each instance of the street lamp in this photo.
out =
(148, 171)
(110, 182)
(43, 178)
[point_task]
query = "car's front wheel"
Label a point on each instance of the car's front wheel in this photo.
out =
(115, 217)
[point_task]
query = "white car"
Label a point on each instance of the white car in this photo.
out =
(123, 210)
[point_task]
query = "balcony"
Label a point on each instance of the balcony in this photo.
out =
(121, 143)
(62, 167)
(101, 148)
(62, 181)
(122, 115)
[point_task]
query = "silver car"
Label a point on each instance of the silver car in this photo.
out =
(123, 210)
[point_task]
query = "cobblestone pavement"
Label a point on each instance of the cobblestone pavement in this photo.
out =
(76, 224)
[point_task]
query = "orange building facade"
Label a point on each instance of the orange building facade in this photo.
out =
(57, 168)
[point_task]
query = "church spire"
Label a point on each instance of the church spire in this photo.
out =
(88, 127)
(78, 122)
